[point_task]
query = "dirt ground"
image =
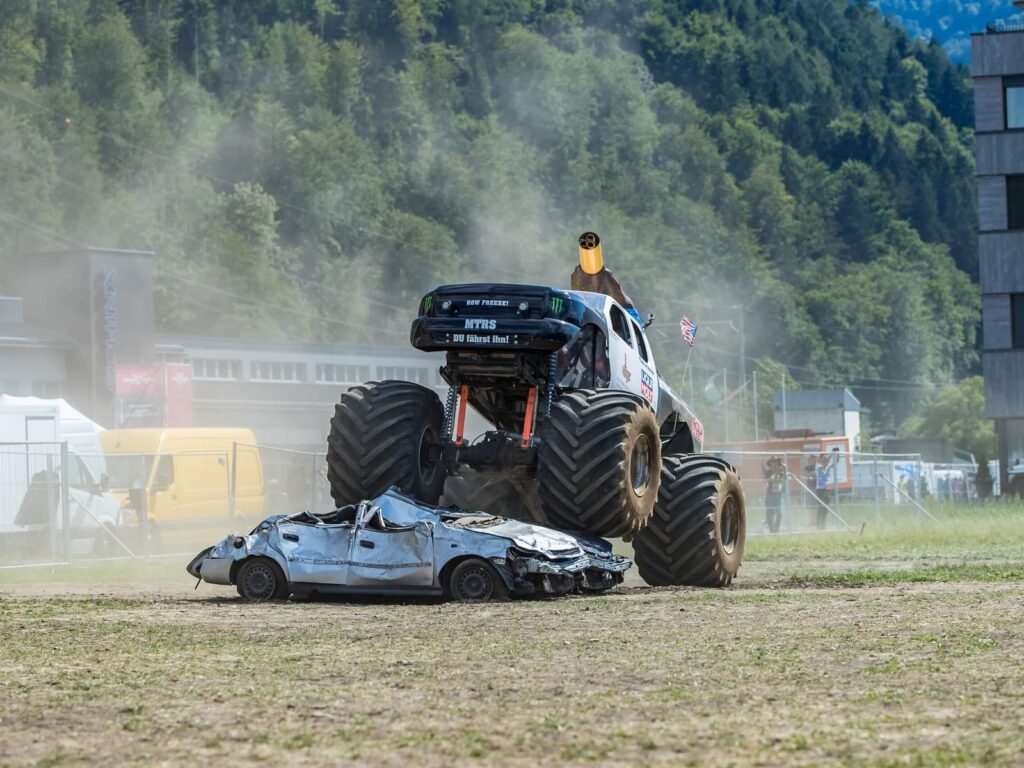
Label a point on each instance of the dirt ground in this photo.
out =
(765, 673)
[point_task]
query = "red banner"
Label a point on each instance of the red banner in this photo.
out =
(154, 395)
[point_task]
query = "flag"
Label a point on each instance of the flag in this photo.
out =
(689, 329)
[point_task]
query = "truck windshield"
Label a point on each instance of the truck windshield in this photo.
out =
(583, 362)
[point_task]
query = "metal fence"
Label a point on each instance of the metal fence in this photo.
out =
(810, 491)
(57, 506)
(140, 505)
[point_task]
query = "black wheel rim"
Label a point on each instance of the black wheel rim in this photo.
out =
(730, 524)
(428, 468)
(474, 584)
(259, 582)
(640, 465)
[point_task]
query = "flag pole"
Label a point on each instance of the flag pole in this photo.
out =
(687, 365)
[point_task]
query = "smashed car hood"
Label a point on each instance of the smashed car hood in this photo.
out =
(529, 537)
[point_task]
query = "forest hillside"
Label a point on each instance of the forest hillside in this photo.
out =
(800, 169)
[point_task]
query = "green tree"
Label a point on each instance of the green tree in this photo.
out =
(958, 413)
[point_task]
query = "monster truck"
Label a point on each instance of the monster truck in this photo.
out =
(587, 437)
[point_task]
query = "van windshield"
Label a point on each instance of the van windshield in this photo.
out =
(128, 470)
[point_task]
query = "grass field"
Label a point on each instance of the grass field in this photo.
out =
(898, 646)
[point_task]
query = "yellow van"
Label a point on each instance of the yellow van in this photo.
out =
(184, 476)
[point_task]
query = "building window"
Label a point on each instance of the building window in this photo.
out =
(332, 373)
(402, 373)
(1015, 202)
(216, 370)
(277, 371)
(1013, 98)
(1017, 319)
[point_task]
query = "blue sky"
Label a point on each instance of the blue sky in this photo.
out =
(951, 22)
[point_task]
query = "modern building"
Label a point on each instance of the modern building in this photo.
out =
(285, 391)
(997, 65)
(819, 412)
(81, 322)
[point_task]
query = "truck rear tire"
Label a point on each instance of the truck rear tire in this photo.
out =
(600, 463)
(696, 535)
(379, 438)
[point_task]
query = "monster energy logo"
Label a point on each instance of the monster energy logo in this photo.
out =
(556, 304)
(428, 302)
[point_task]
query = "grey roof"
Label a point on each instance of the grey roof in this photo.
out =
(25, 335)
(817, 399)
(245, 345)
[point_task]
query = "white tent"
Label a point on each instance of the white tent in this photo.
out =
(78, 430)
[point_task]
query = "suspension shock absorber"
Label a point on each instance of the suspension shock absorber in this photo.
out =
(552, 382)
(449, 411)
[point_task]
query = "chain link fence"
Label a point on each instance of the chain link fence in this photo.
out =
(148, 504)
(794, 492)
(56, 506)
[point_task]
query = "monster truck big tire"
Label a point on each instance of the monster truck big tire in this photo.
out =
(600, 463)
(696, 535)
(493, 493)
(379, 438)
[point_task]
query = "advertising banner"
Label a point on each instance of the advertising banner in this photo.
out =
(154, 395)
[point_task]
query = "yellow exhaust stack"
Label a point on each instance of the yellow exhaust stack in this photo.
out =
(591, 260)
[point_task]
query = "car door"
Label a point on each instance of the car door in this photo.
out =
(385, 555)
(622, 351)
(316, 554)
(649, 389)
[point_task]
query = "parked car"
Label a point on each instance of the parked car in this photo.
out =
(394, 545)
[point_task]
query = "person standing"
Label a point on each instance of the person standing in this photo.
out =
(821, 487)
(774, 477)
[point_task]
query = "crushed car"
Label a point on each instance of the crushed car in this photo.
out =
(394, 545)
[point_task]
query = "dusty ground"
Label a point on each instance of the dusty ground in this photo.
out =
(766, 673)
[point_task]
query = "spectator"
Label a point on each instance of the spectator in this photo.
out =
(821, 487)
(774, 477)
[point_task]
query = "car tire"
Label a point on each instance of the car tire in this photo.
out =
(260, 579)
(697, 532)
(600, 463)
(475, 580)
(379, 437)
(494, 493)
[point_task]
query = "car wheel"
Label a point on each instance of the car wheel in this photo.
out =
(261, 579)
(475, 581)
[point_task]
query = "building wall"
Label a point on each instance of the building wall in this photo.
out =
(824, 421)
(38, 371)
(286, 393)
(999, 152)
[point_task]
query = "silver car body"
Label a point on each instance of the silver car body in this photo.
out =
(392, 544)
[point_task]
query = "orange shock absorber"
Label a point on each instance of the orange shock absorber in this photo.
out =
(461, 423)
(531, 405)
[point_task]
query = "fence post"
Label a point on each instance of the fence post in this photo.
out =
(233, 475)
(65, 502)
(874, 483)
(785, 495)
(835, 482)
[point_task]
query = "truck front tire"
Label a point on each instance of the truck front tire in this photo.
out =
(697, 532)
(600, 463)
(379, 438)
